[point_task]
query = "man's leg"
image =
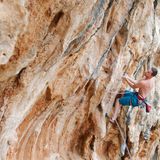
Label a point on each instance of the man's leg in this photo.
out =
(117, 110)
(119, 95)
(125, 100)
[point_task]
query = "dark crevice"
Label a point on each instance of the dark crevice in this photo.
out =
(110, 4)
(155, 3)
(108, 9)
(108, 26)
(154, 27)
(48, 94)
(92, 143)
(55, 20)
(20, 72)
(149, 61)
(100, 109)
(88, 85)
(133, 6)
(18, 77)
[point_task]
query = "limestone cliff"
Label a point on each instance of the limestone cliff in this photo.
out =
(61, 63)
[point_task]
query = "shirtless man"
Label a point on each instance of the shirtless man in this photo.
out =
(144, 87)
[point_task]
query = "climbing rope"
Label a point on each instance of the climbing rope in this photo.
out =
(121, 132)
(124, 139)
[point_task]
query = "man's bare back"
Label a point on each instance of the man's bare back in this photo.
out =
(145, 88)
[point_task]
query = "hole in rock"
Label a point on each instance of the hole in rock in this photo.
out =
(92, 143)
(108, 26)
(100, 109)
(56, 19)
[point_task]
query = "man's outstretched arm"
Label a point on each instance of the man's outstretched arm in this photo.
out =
(134, 84)
(130, 79)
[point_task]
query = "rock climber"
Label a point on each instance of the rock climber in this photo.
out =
(144, 87)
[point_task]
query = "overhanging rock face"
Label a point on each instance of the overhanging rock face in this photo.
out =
(61, 63)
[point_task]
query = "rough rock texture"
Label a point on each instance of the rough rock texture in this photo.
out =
(61, 63)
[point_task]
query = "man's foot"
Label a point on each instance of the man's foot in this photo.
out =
(112, 120)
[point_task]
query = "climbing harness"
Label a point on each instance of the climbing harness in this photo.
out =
(143, 100)
(124, 145)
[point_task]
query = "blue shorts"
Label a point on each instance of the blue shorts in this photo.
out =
(129, 98)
